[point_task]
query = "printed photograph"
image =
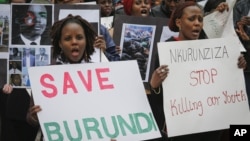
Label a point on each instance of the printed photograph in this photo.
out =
(4, 27)
(31, 24)
(137, 44)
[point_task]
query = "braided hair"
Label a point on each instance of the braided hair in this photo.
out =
(56, 32)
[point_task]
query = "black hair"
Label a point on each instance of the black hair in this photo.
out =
(177, 13)
(56, 32)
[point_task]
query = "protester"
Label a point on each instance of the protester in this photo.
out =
(107, 8)
(241, 19)
(187, 19)
(73, 41)
(112, 50)
(137, 7)
(165, 9)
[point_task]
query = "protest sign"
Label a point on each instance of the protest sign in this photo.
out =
(94, 101)
(138, 41)
(205, 89)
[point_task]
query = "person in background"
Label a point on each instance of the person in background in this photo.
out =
(187, 17)
(241, 19)
(107, 8)
(155, 3)
(73, 39)
(112, 51)
(103, 41)
(137, 7)
(165, 9)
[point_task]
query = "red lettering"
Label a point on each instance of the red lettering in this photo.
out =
(101, 80)
(203, 76)
(87, 84)
(68, 83)
(53, 88)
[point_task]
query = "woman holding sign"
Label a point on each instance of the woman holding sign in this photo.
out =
(73, 41)
(187, 19)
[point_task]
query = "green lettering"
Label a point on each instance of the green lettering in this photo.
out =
(105, 128)
(122, 123)
(138, 119)
(87, 124)
(78, 129)
(53, 128)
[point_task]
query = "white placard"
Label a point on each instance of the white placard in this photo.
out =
(93, 101)
(205, 89)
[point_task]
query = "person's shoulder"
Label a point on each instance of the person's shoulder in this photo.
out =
(157, 7)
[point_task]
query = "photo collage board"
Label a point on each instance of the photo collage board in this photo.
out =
(24, 37)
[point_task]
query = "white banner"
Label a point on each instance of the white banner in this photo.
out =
(94, 101)
(205, 89)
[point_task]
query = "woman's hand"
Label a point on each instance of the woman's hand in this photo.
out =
(32, 115)
(241, 32)
(222, 7)
(242, 63)
(245, 20)
(159, 76)
(100, 43)
(7, 89)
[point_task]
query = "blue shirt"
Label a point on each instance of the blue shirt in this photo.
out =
(110, 52)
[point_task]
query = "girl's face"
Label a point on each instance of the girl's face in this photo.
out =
(73, 42)
(140, 8)
(190, 24)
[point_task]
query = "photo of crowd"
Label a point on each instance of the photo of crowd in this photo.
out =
(137, 45)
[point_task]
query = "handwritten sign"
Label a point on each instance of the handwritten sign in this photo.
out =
(205, 89)
(92, 101)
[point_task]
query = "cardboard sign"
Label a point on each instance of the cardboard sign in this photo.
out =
(205, 89)
(94, 101)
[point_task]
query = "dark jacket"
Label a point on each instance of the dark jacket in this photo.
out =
(161, 11)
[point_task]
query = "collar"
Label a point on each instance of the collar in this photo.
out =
(27, 41)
